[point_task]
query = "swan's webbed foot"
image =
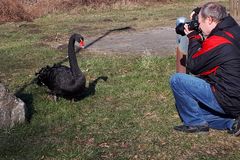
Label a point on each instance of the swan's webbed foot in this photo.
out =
(72, 100)
(52, 96)
(55, 98)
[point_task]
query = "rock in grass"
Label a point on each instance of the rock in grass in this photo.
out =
(12, 109)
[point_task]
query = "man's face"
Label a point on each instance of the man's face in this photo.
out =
(206, 24)
(203, 24)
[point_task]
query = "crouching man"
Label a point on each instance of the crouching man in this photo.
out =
(209, 97)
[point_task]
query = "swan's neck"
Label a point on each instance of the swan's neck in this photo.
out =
(72, 58)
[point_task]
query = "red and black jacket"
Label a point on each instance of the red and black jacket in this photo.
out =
(217, 60)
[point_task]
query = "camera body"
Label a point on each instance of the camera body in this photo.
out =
(192, 25)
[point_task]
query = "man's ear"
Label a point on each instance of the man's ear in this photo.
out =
(211, 20)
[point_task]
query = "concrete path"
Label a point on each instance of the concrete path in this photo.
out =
(158, 41)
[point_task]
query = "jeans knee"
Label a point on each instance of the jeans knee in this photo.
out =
(174, 79)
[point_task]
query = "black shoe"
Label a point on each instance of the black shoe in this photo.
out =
(235, 128)
(192, 129)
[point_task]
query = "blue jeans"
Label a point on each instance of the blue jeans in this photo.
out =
(196, 104)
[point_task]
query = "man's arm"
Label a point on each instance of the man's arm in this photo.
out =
(205, 56)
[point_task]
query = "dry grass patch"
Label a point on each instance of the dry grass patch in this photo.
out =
(12, 10)
(27, 10)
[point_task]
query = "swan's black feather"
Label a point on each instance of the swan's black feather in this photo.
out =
(62, 80)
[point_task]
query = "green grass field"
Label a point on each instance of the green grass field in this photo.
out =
(131, 116)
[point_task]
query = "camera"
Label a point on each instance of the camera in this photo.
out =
(192, 25)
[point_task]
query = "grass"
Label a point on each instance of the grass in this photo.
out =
(131, 115)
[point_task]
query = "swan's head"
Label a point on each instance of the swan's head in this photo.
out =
(80, 40)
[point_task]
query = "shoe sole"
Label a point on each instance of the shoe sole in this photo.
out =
(237, 133)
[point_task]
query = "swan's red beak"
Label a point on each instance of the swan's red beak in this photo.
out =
(81, 44)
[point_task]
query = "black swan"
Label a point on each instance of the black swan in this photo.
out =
(63, 81)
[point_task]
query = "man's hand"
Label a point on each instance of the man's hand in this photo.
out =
(191, 15)
(195, 11)
(186, 30)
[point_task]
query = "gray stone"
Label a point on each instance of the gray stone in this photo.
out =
(12, 109)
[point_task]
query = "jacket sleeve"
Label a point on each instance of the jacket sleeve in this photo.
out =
(207, 55)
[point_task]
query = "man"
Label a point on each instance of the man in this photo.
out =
(210, 98)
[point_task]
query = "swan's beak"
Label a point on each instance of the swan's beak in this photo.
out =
(81, 44)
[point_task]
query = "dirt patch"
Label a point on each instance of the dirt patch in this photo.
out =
(31, 28)
(80, 29)
(53, 38)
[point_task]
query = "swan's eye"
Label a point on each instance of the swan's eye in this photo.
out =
(81, 44)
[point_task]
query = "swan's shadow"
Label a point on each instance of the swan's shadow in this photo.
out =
(89, 91)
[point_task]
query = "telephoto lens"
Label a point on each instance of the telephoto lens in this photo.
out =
(180, 25)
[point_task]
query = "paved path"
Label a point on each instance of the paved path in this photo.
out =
(157, 41)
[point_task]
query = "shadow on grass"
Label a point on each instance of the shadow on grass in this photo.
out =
(91, 89)
(27, 99)
(29, 109)
(88, 91)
